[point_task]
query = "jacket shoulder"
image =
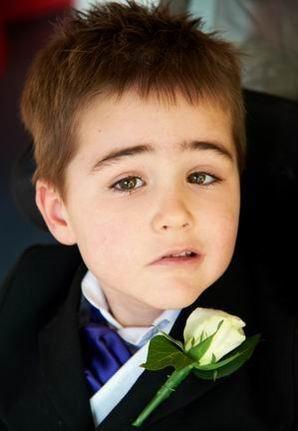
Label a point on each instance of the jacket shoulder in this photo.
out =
(40, 277)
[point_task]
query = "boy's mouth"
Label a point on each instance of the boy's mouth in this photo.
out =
(184, 255)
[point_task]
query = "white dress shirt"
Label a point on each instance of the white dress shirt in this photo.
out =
(112, 392)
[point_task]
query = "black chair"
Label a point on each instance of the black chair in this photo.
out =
(267, 231)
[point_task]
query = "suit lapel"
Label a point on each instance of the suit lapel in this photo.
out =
(61, 362)
(230, 294)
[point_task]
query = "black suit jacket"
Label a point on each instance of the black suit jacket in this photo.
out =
(41, 377)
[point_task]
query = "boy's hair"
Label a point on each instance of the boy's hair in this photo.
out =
(113, 48)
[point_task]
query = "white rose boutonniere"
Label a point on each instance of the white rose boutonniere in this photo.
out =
(203, 322)
(214, 346)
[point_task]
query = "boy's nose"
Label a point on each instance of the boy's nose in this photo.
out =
(165, 227)
(173, 214)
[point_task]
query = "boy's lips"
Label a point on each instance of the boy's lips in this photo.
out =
(170, 256)
(178, 261)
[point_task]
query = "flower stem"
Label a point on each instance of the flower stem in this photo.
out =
(163, 393)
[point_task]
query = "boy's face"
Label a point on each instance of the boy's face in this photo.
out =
(178, 199)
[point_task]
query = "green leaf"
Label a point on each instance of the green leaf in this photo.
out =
(163, 353)
(230, 363)
(200, 349)
(178, 343)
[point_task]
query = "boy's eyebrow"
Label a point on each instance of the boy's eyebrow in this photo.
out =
(115, 155)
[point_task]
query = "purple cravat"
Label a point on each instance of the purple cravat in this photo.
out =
(104, 351)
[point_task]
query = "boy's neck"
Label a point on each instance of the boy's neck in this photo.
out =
(131, 314)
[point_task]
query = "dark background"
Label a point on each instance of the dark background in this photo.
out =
(23, 38)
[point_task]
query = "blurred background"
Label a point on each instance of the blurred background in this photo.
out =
(267, 31)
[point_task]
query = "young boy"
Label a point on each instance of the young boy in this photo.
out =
(138, 126)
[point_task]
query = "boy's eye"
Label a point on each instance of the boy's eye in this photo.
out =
(203, 178)
(127, 185)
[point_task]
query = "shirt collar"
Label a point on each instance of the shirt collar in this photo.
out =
(137, 336)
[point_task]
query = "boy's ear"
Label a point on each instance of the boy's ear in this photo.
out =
(54, 212)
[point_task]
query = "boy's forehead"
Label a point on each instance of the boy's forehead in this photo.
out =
(115, 123)
(131, 108)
